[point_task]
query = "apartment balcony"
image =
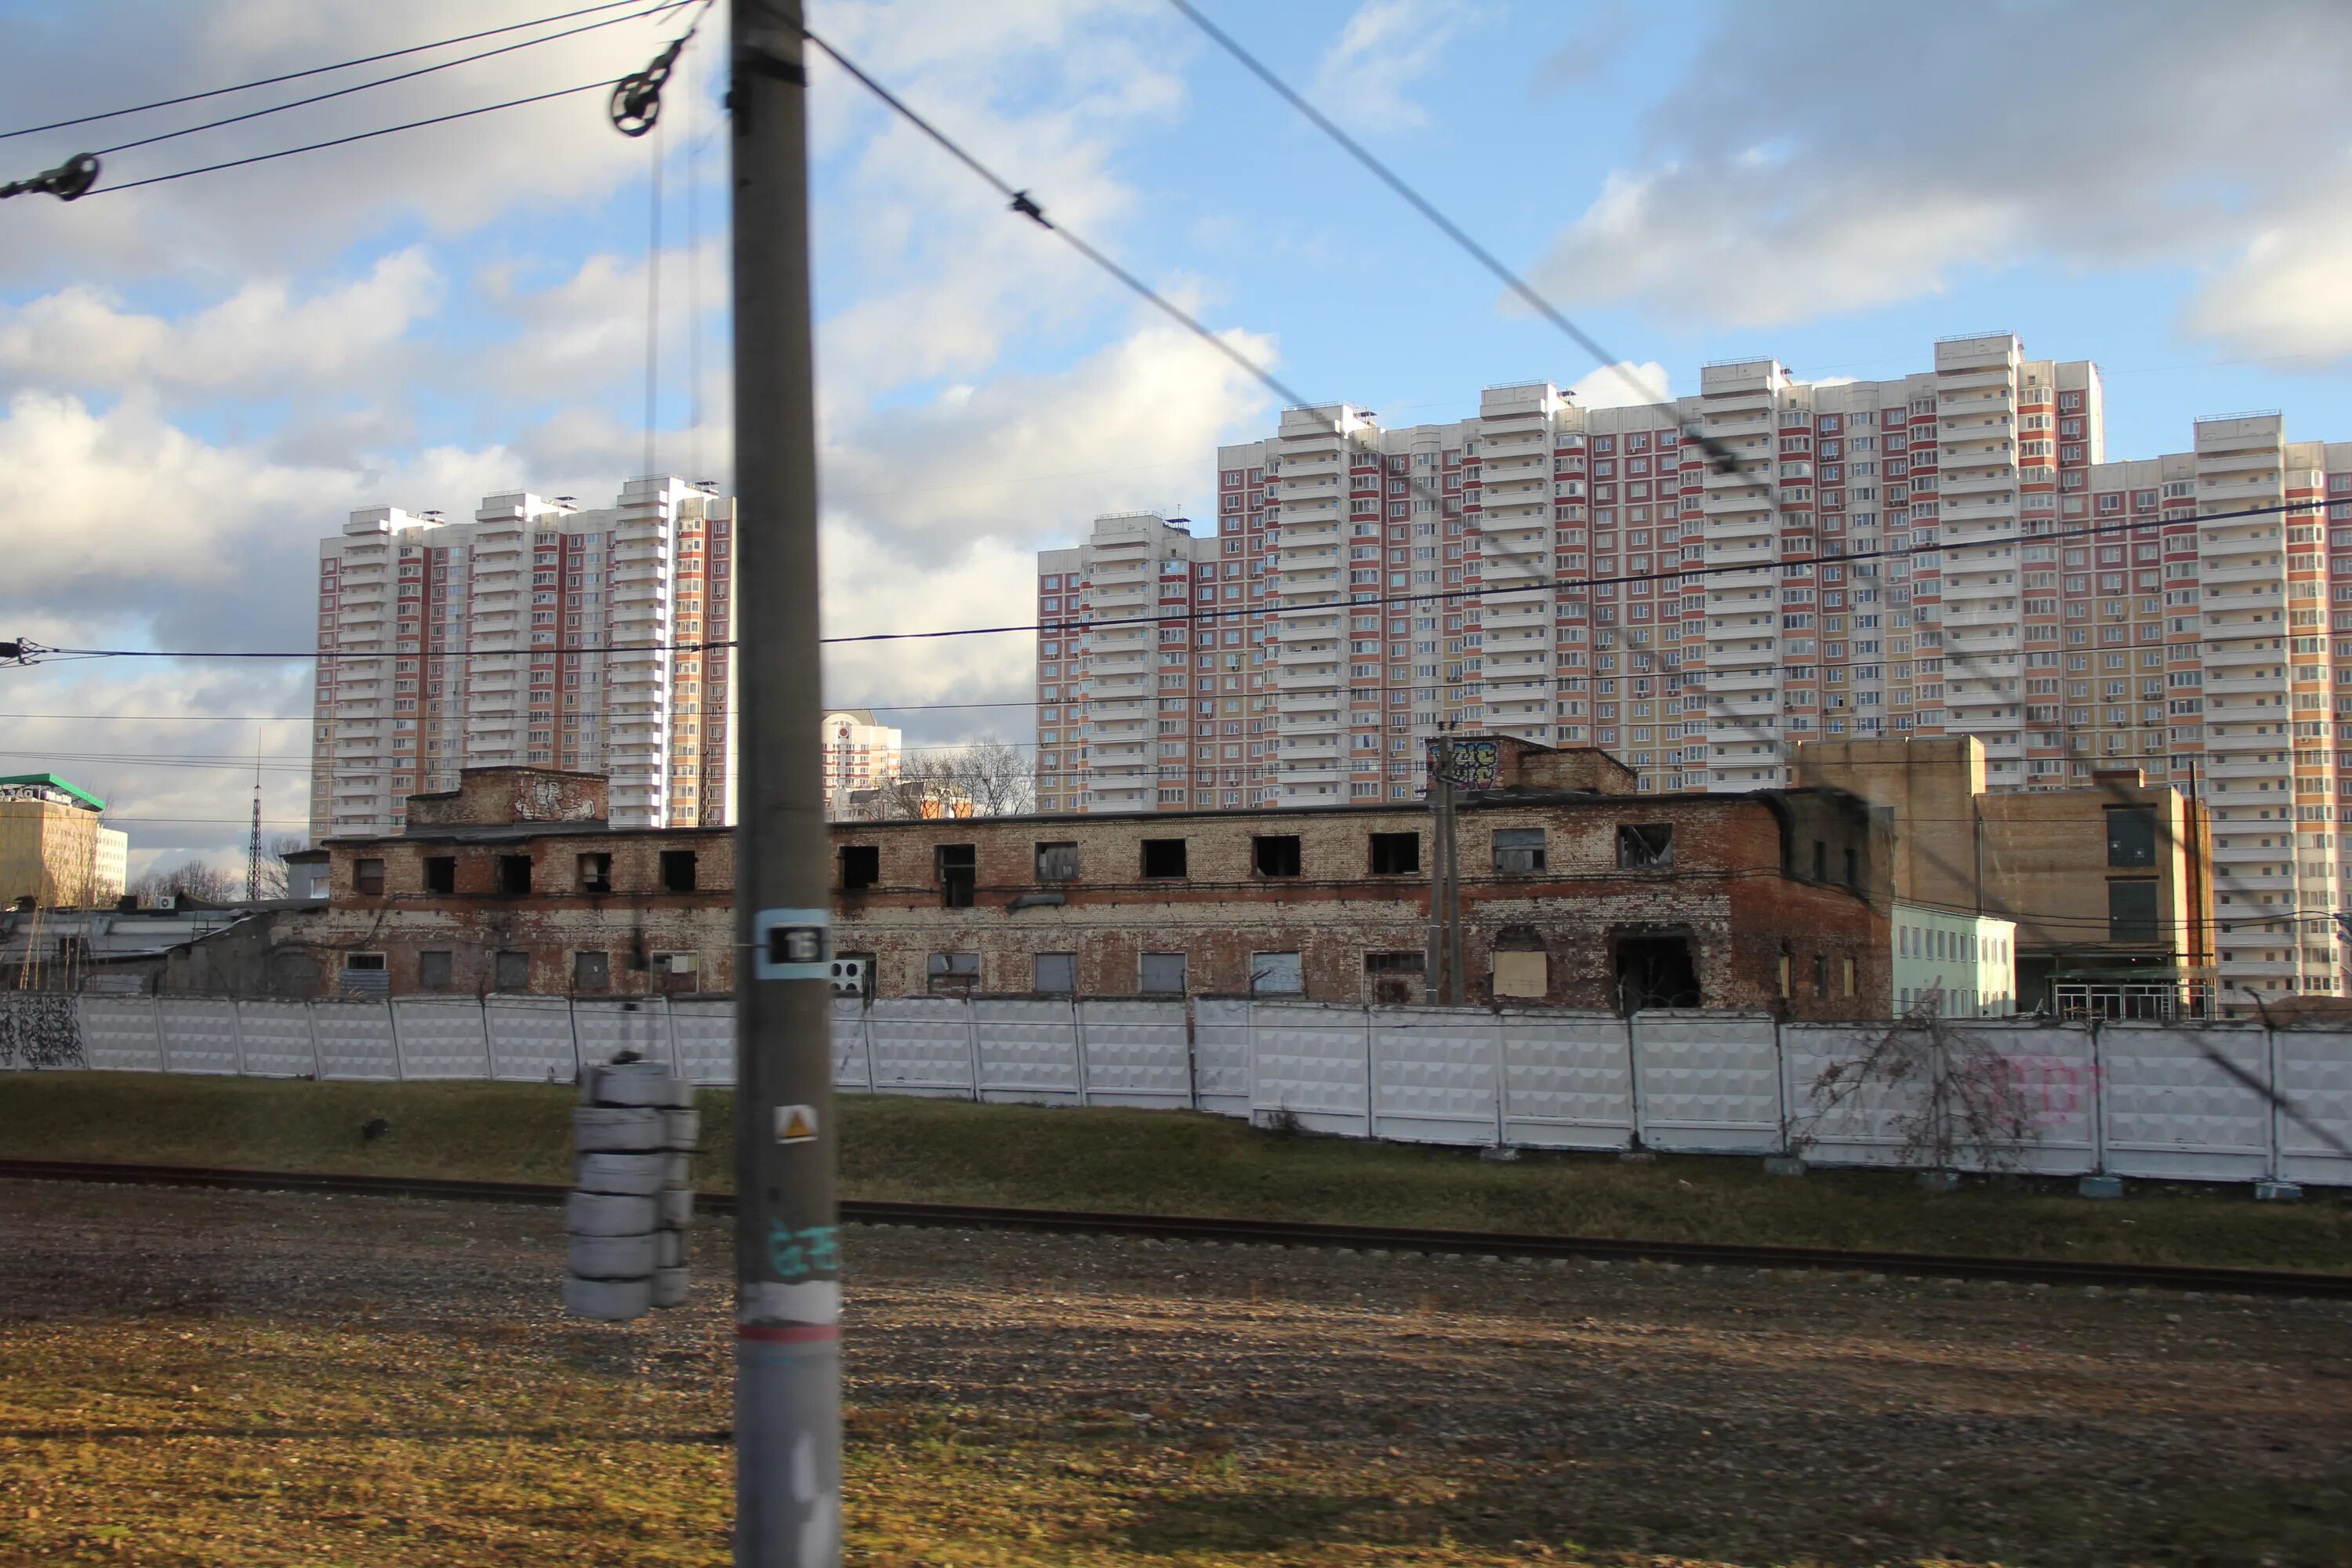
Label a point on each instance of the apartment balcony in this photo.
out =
(2239, 489)
(1977, 482)
(1761, 680)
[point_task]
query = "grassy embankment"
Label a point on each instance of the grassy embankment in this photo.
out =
(911, 1149)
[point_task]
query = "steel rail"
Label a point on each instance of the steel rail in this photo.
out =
(1273, 1233)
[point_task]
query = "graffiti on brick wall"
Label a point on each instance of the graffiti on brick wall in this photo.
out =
(1473, 763)
(40, 1029)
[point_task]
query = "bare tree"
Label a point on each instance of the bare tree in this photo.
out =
(1961, 1100)
(197, 880)
(992, 774)
(270, 880)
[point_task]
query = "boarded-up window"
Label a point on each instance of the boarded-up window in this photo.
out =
(1518, 850)
(1163, 974)
(1276, 975)
(367, 877)
(514, 972)
(2131, 835)
(1522, 973)
(1057, 973)
(433, 971)
(2131, 912)
(592, 970)
(1057, 862)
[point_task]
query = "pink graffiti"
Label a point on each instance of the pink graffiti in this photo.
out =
(2051, 1088)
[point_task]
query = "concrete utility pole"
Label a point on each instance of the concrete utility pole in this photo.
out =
(787, 1250)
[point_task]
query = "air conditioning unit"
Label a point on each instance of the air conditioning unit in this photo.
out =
(167, 901)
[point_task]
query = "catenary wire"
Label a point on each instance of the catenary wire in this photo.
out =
(666, 5)
(316, 71)
(1238, 614)
(1428, 209)
(357, 136)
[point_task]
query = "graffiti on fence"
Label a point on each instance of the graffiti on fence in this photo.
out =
(40, 1029)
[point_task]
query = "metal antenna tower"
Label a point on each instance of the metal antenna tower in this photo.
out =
(253, 842)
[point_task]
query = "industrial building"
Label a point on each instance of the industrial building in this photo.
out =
(56, 851)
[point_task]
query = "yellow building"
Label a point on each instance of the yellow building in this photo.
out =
(53, 849)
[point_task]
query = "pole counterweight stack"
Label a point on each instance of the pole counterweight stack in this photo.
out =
(788, 1293)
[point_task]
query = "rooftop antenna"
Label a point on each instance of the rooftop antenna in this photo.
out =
(253, 843)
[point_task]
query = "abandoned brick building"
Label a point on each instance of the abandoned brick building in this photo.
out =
(1574, 892)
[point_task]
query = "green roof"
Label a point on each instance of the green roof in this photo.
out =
(54, 782)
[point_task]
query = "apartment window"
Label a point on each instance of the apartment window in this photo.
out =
(591, 972)
(512, 972)
(597, 873)
(2132, 912)
(1057, 862)
(1163, 858)
(1649, 846)
(1276, 975)
(954, 973)
(2131, 835)
(367, 877)
(861, 864)
(1276, 855)
(677, 870)
(1163, 974)
(957, 871)
(1056, 973)
(1519, 851)
(514, 875)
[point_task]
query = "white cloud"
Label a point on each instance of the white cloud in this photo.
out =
(1365, 77)
(1904, 148)
(1616, 385)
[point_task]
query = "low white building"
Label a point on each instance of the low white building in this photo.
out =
(1953, 966)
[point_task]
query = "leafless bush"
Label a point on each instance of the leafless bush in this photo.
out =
(1963, 1103)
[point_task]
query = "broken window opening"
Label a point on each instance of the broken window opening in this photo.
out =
(1654, 971)
(1276, 855)
(1396, 854)
(1646, 847)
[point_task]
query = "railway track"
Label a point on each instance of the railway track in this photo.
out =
(1275, 1233)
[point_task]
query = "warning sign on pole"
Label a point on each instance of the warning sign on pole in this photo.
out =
(796, 1124)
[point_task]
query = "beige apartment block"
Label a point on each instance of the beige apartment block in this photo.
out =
(55, 848)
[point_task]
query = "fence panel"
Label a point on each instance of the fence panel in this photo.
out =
(2054, 1076)
(921, 1045)
(355, 1039)
(118, 1033)
(2172, 1111)
(1028, 1049)
(199, 1034)
(1567, 1080)
(1136, 1052)
(1434, 1072)
(1860, 1128)
(852, 1063)
(531, 1039)
(704, 1033)
(2314, 1071)
(605, 1028)
(1312, 1059)
(441, 1039)
(276, 1039)
(40, 1029)
(1707, 1083)
(1222, 1051)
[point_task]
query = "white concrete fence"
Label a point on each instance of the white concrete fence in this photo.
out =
(2130, 1099)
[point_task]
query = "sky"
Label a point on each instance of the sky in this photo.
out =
(199, 379)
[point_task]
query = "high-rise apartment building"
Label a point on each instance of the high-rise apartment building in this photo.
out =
(538, 634)
(857, 754)
(1944, 552)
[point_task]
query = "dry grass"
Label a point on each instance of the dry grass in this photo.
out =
(1146, 1161)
